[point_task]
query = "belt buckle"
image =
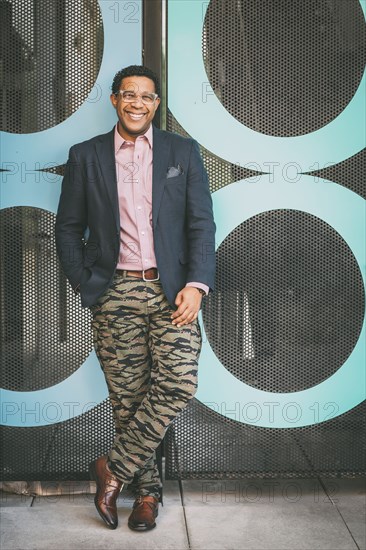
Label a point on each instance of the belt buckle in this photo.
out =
(143, 276)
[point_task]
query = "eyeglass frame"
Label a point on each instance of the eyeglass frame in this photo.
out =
(121, 92)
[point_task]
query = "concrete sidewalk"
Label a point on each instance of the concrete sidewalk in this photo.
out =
(252, 514)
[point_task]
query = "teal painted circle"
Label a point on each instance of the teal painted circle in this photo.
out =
(198, 110)
(44, 193)
(84, 386)
(343, 210)
(73, 396)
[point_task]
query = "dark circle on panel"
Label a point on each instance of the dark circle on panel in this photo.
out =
(51, 52)
(45, 333)
(284, 68)
(288, 305)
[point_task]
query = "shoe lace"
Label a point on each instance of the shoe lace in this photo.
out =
(140, 501)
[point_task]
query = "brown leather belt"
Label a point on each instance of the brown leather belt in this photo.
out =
(151, 274)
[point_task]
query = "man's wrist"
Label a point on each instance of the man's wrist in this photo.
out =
(204, 289)
(200, 290)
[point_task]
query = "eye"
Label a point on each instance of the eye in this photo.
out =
(148, 98)
(129, 96)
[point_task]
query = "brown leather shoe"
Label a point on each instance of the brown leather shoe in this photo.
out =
(108, 489)
(145, 510)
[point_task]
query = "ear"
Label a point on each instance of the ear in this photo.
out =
(114, 100)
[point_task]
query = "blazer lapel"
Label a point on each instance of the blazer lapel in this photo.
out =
(107, 163)
(161, 148)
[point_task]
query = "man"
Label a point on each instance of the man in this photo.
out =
(135, 236)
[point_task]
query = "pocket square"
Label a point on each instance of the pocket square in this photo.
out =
(173, 171)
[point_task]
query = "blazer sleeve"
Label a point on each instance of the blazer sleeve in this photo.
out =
(71, 220)
(200, 222)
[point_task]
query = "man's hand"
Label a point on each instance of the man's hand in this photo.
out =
(188, 301)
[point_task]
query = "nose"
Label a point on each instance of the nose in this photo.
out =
(137, 100)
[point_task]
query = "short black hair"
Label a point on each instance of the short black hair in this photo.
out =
(134, 70)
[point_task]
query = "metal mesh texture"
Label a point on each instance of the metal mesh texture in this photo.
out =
(289, 300)
(59, 451)
(287, 309)
(45, 334)
(203, 445)
(45, 337)
(284, 67)
(50, 54)
(348, 173)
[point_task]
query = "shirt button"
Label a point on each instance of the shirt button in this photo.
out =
(142, 232)
(139, 208)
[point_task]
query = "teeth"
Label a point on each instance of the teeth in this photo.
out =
(136, 117)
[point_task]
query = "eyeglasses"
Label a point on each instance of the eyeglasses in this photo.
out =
(131, 97)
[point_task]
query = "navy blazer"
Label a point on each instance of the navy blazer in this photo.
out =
(88, 219)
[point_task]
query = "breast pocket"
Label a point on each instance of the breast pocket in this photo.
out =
(176, 180)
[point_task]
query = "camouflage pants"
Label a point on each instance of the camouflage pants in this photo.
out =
(150, 368)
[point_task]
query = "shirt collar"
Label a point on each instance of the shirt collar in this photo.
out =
(119, 140)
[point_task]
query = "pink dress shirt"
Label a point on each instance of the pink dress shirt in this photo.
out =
(134, 181)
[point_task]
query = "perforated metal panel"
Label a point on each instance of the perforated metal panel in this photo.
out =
(286, 314)
(349, 173)
(45, 337)
(201, 444)
(284, 67)
(289, 301)
(59, 451)
(220, 172)
(50, 55)
(288, 306)
(46, 334)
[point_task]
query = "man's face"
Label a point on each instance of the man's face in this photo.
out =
(135, 117)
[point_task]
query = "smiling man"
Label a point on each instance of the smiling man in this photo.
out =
(135, 236)
(135, 116)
